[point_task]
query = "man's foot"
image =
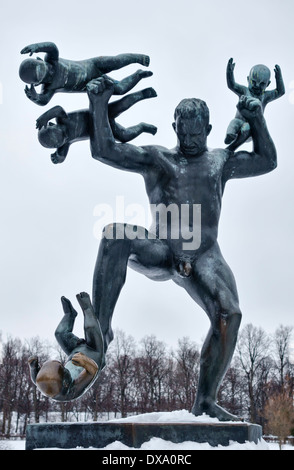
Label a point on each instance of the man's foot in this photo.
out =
(214, 411)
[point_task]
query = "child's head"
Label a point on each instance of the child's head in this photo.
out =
(53, 378)
(52, 136)
(32, 71)
(259, 79)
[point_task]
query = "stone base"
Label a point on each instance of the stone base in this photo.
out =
(99, 435)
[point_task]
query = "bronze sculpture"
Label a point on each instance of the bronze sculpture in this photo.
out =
(85, 356)
(258, 80)
(190, 174)
(75, 126)
(61, 75)
(181, 178)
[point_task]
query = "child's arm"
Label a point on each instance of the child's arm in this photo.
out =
(49, 47)
(34, 367)
(39, 98)
(87, 375)
(280, 87)
(56, 112)
(60, 155)
(232, 85)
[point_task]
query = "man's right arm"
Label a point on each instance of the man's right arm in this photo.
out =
(103, 145)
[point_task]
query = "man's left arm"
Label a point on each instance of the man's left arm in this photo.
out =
(263, 158)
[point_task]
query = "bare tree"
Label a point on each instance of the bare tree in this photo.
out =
(122, 368)
(282, 338)
(252, 348)
(151, 370)
(187, 371)
(232, 395)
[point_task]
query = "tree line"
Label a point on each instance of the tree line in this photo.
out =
(148, 376)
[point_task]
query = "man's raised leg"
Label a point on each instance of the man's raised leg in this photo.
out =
(117, 249)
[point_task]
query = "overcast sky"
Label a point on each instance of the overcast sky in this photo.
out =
(48, 238)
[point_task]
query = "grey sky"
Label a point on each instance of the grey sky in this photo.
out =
(48, 248)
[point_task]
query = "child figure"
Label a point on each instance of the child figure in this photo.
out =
(75, 126)
(259, 79)
(60, 75)
(85, 356)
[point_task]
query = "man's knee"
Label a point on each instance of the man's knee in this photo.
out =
(109, 231)
(121, 231)
(227, 321)
(231, 319)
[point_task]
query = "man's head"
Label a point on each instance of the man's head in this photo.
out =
(192, 125)
(53, 379)
(52, 136)
(259, 79)
(32, 71)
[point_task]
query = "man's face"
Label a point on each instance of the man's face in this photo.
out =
(192, 134)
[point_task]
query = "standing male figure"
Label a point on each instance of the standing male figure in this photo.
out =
(187, 174)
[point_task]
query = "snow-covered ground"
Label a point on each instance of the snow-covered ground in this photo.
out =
(181, 416)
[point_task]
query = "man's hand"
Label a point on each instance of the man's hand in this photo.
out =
(102, 86)
(250, 108)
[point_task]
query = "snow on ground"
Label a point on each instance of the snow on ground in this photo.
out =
(160, 444)
(181, 416)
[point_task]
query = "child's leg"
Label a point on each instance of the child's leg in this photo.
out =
(233, 130)
(108, 63)
(63, 333)
(126, 84)
(115, 108)
(93, 334)
(243, 136)
(124, 134)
